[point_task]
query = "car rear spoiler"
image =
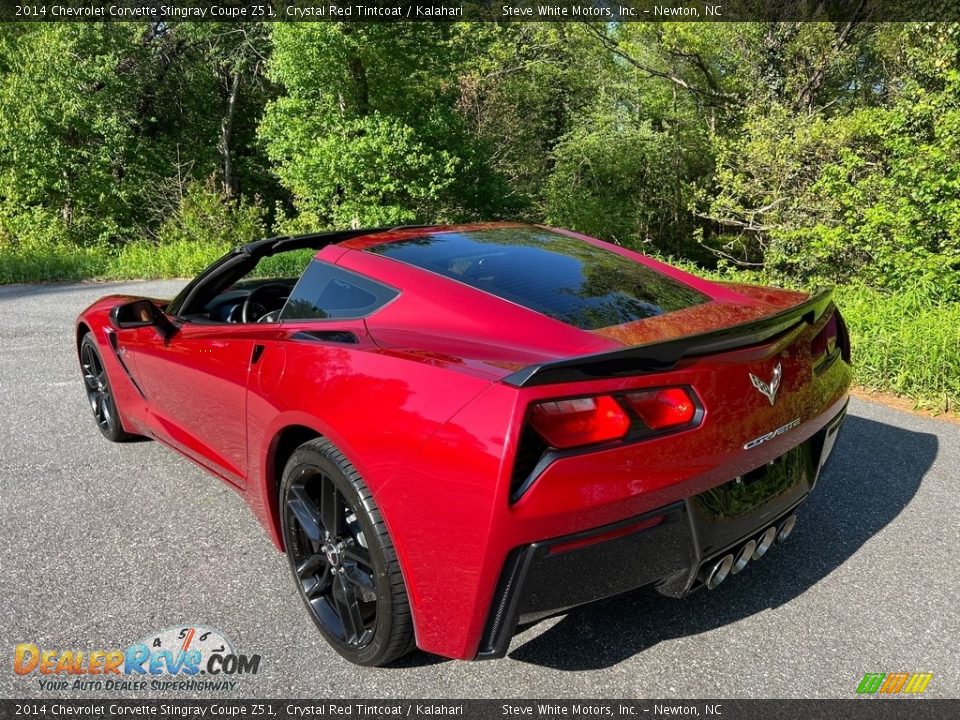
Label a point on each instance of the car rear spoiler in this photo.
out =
(663, 355)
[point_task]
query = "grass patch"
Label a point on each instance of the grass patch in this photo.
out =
(286, 265)
(52, 263)
(135, 261)
(905, 343)
(180, 259)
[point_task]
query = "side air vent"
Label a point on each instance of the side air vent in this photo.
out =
(331, 336)
(118, 354)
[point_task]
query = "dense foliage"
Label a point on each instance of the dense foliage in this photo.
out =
(817, 151)
(809, 152)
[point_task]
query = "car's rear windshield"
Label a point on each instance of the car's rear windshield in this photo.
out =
(573, 281)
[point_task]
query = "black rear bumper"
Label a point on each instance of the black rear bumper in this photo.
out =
(667, 548)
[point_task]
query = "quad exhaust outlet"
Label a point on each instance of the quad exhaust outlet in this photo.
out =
(719, 571)
(755, 548)
(765, 542)
(785, 529)
(744, 556)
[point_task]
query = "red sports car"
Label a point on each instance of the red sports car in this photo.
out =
(453, 431)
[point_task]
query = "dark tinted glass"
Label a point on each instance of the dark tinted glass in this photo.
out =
(568, 279)
(326, 291)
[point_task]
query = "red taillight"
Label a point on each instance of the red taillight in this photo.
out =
(580, 421)
(665, 408)
(825, 343)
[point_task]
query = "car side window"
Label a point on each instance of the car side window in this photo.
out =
(328, 292)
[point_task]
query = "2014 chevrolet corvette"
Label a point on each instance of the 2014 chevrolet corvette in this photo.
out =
(455, 431)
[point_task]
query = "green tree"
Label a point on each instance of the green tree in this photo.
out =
(107, 124)
(366, 132)
(870, 191)
(69, 108)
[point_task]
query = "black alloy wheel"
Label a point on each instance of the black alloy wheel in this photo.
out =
(342, 558)
(99, 394)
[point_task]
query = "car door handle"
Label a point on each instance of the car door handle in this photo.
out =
(257, 353)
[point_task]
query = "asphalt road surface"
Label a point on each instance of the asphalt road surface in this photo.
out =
(102, 544)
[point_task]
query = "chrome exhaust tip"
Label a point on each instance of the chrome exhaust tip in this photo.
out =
(718, 573)
(743, 557)
(785, 529)
(765, 542)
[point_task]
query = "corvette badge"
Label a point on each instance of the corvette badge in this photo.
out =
(772, 434)
(769, 390)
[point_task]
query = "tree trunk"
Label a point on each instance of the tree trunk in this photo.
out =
(358, 73)
(358, 77)
(226, 132)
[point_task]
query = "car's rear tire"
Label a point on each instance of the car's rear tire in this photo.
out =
(342, 558)
(99, 393)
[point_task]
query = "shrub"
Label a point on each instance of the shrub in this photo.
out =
(35, 246)
(206, 224)
(905, 342)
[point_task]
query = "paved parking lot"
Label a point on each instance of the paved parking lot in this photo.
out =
(102, 544)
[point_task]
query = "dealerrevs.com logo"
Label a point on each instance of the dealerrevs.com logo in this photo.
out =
(187, 657)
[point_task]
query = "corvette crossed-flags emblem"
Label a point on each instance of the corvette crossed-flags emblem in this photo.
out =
(769, 390)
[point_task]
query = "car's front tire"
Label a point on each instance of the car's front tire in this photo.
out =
(342, 558)
(99, 393)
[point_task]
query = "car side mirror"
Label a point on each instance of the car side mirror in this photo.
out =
(138, 313)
